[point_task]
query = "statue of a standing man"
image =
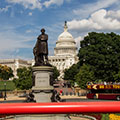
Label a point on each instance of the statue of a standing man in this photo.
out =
(41, 49)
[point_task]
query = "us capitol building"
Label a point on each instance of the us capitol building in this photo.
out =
(65, 55)
(65, 52)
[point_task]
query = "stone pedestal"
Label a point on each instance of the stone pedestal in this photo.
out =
(42, 83)
(42, 90)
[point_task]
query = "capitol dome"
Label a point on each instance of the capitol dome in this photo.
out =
(65, 44)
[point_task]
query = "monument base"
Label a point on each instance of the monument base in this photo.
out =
(42, 88)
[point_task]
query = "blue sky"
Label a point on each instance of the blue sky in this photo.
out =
(21, 21)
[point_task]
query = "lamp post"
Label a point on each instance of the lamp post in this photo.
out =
(5, 90)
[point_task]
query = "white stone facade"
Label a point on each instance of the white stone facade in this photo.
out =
(62, 63)
(15, 64)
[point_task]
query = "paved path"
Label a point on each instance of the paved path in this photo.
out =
(79, 118)
(72, 96)
(62, 97)
(13, 98)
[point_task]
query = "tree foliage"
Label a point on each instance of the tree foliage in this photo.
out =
(69, 74)
(84, 75)
(24, 80)
(56, 73)
(99, 59)
(5, 72)
(101, 52)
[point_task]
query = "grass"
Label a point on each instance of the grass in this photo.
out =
(9, 85)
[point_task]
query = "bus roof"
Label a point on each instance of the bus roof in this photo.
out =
(102, 86)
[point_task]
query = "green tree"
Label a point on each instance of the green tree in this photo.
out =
(69, 74)
(56, 73)
(117, 77)
(84, 75)
(24, 80)
(101, 52)
(5, 72)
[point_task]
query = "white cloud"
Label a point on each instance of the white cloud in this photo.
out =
(10, 42)
(113, 14)
(31, 4)
(28, 31)
(5, 9)
(99, 20)
(77, 40)
(30, 13)
(88, 9)
(50, 2)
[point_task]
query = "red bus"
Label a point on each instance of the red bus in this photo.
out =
(101, 91)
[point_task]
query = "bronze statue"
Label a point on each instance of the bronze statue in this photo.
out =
(41, 49)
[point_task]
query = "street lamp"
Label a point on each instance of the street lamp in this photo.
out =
(5, 90)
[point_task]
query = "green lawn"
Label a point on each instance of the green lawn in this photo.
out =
(9, 85)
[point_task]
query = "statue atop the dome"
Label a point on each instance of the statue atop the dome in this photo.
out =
(41, 49)
(65, 26)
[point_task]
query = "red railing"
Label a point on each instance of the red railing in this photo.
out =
(60, 108)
